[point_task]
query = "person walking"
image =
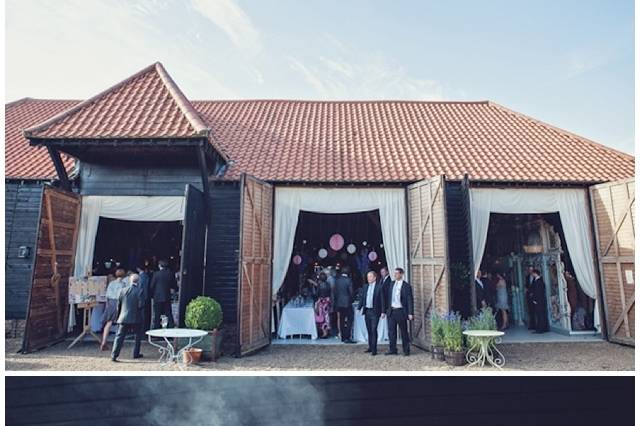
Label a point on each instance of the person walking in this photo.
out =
(129, 317)
(343, 301)
(399, 310)
(110, 314)
(372, 306)
(163, 283)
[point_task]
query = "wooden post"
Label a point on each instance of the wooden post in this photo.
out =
(60, 169)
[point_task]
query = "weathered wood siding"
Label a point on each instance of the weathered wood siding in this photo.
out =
(613, 208)
(143, 180)
(22, 210)
(221, 275)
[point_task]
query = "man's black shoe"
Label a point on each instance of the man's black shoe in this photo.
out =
(374, 353)
(391, 353)
(367, 351)
(406, 354)
(114, 360)
(138, 356)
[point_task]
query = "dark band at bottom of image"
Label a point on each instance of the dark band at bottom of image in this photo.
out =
(319, 400)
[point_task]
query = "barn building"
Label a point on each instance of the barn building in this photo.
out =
(232, 191)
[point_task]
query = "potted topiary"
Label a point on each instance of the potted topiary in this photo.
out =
(205, 313)
(437, 337)
(453, 339)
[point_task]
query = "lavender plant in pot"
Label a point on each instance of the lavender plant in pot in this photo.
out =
(453, 339)
(437, 337)
(205, 313)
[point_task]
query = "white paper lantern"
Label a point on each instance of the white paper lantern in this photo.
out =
(351, 248)
(322, 253)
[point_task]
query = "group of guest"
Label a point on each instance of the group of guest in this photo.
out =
(381, 297)
(131, 300)
(492, 291)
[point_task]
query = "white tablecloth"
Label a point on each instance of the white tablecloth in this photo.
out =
(296, 320)
(360, 333)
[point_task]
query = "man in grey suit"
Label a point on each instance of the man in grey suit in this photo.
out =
(129, 317)
(343, 299)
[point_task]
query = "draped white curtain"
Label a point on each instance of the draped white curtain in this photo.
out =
(390, 202)
(572, 206)
(136, 208)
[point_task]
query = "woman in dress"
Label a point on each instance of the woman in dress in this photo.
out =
(502, 300)
(323, 306)
(110, 313)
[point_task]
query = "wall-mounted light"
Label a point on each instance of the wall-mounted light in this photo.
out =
(24, 252)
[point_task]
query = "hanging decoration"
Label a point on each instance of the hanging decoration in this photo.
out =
(322, 253)
(381, 245)
(304, 241)
(364, 243)
(373, 256)
(297, 259)
(351, 248)
(336, 242)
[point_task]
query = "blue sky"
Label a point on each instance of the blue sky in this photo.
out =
(569, 63)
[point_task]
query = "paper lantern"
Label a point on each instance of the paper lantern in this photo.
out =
(351, 248)
(336, 242)
(297, 259)
(304, 241)
(322, 253)
(364, 243)
(373, 256)
(381, 245)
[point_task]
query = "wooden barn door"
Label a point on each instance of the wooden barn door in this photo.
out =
(48, 308)
(428, 255)
(194, 230)
(612, 205)
(254, 274)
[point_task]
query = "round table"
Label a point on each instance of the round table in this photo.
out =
(168, 353)
(298, 320)
(483, 348)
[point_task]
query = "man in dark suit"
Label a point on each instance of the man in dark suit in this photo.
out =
(399, 307)
(163, 283)
(531, 307)
(145, 295)
(129, 317)
(385, 280)
(372, 305)
(343, 296)
(540, 302)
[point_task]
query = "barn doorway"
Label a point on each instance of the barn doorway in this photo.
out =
(329, 243)
(130, 243)
(516, 242)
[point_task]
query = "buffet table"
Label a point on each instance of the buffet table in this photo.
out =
(297, 320)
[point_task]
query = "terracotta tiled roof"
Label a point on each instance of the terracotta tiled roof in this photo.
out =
(146, 105)
(403, 141)
(20, 159)
(275, 140)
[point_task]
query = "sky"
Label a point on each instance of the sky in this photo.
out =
(569, 63)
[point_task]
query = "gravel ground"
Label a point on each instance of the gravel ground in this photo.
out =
(596, 356)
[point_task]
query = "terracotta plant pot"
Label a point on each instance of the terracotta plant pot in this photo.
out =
(455, 358)
(192, 356)
(438, 353)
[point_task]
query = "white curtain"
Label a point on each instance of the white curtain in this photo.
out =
(572, 206)
(135, 208)
(390, 202)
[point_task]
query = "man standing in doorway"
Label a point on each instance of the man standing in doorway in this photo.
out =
(540, 302)
(385, 280)
(344, 299)
(399, 310)
(129, 317)
(145, 296)
(372, 307)
(531, 307)
(163, 283)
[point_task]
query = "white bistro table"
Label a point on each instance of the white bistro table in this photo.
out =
(483, 348)
(297, 321)
(360, 333)
(171, 353)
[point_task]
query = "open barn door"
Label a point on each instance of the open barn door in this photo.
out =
(428, 255)
(48, 308)
(612, 205)
(194, 230)
(254, 274)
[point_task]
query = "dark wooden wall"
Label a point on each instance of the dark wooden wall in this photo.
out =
(22, 210)
(459, 234)
(221, 274)
(98, 179)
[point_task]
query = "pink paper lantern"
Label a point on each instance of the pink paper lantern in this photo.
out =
(336, 242)
(297, 259)
(373, 256)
